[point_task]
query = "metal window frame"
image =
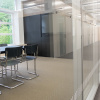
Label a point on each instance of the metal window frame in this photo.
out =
(8, 23)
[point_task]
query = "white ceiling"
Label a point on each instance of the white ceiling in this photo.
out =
(90, 7)
(38, 6)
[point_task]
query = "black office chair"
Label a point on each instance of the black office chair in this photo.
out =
(1, 45)
(11, 59)
(30, 54)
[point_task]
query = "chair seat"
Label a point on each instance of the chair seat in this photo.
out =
(2, 58)
(30, 57)
(9, 63)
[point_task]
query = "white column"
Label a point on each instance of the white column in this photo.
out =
(18, 23)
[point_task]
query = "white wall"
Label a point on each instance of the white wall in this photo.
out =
(89, 29)
(56, 36)
(59, 20)
(69, 37)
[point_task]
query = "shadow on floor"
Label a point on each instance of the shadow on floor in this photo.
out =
(67, 56)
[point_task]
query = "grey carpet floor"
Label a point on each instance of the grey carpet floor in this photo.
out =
(55, 81)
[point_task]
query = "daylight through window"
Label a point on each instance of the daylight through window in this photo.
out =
(5, 28)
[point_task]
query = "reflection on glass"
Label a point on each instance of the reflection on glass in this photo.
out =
(90, 47)
(7, 4)
(5, 28)
(4, 17)
(50, 26)
(6, 39)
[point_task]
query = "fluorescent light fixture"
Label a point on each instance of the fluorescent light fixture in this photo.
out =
(69, 7)
(64, 8)
(79, 16)
(57, 3)
(90, 4)
(33, 7)
(31, 4)
(97, 14)
(24, 0)
(42, 5)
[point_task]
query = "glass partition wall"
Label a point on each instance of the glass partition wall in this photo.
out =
(67, 34)
(47, 23)
(70, 33)
(77, 49)
(56, 46)
(90, 48)
(54, 18)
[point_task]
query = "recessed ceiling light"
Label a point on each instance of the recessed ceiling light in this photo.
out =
(58, 3)
(24, 0)
(30, 4)
(64, 8)
(92, 4)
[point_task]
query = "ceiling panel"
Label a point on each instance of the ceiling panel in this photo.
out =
(36, 6)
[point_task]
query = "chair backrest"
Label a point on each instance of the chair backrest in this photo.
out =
(1, 45)
(30, 49)
(13, 52)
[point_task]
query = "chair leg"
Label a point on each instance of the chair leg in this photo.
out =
(3, 72)
(22, 82)
(33, 73)
(9, 87)
(35, 66)
(17, 67)
(11, 71)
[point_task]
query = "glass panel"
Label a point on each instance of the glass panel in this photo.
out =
(4, 17)
(7, 4)
(99, 49)
(90, 48)
(6, 39)
(77, 50)
(49, 24)
(87, 56)
(96, 56)
(5, 28)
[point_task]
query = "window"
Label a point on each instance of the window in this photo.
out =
(7, 4)
(6, 36)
